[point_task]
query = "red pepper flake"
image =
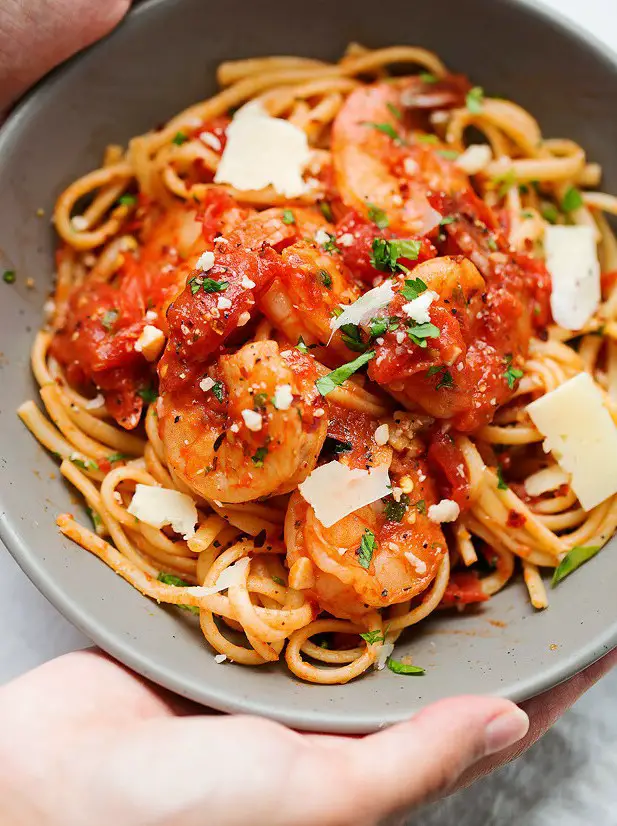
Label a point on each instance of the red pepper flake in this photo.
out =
(516, 519)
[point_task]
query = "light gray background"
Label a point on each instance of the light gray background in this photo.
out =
(569, 778)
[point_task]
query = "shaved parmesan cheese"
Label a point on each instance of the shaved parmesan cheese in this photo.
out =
(346, 240)
(223, 303)
(385, 651)
(545, 480)
(582, 437)
(572, 261)
(474, 158)
(283, 397)
(335, 490)
(233, 575)
(382, 434)
(411, 167)
(263, 151)
(252, 419)
(416, 562)
(210, 140)
(247, 283)
(95, 403)
(244, 318)
(322, 237)
(207, 384)
(445, 511)
(205, 261)
(150, 342)
(220, 658)
(418, 308)
(365, 307)
(158, 507)
(79, 223)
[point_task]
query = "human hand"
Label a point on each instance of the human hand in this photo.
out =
(85, 742)
(36, 35)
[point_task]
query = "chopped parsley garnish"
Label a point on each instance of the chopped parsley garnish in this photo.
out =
(402, 668)
(573, 560)
(491, 243)
(209, 285)
(217, 389)
(571, 200)
(449, 219)
(326, 211)
(445, 380)
(475, 99)
(428, 138)
(501, 482)
(448, 154)
(395, 511)
(303, 347)
(127, 200)
(550, 213)
(148, 394)
(288, 217)
(527, 213)
(259, 456)
(413, 288)
(326, 384)
(179, 138)
(386, 254)
(394, 110)
(95, 518)
(386, 128)
(334, 446)
(109, 318)
(278, 580)
(427, 77)
(84, 464)
(352, 338)
(505, 182)
(419, 333)
(325, 278)
(420, 506)
(8, 276)
(259, 401)
(378, 216)
(512, 374)
(171, 579)
(379, 326)
(366, 549)
(116, 457)
(373, 637)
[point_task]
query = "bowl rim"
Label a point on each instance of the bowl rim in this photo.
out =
(127, 653)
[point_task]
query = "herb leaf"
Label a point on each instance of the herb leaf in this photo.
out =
(387, 129)
(326, 211)
(109, 319)
(379, 326)
(402, 668)
(501, 482)
(116, 457)
(395, 511)
(259, 401)
(288, 217)
(325, 278)
(420, 506)
(418, 333)
(148, 394)
(84, 464)
(259, 456)
(448, 219)
(427, 77)
(170, 579)
(352, 338)
(394, 110)
(445, 380)
(326, 384)
(378, 216)
(366, 549)
(512, 374)
(573, 560)
(8, 276)
(303, 347)
(209, 285)
(448, 154)
(550, 213)
(372, 637)
(571, 200)
(179, 138)
(217, 389)
(475, 99)
(278, 580)
(427, 138)
(127, 199)
(385, 254)
(413, 288)
(334, 446)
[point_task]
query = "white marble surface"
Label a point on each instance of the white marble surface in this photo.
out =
(567, 779)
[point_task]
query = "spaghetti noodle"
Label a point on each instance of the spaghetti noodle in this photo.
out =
(231, 296)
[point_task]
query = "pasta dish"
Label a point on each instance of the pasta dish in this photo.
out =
(332, 350)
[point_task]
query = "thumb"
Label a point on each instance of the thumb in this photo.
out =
(36, 35)
(413, 762)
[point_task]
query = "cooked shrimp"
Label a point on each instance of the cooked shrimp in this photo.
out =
(381, 160)
(407, 547)
(252, 425)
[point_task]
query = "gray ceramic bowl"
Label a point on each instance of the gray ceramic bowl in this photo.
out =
(161, 59)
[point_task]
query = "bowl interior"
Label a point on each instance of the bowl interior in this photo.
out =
(160, 60)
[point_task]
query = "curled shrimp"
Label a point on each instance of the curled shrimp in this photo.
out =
(250, 425)
(404, 547)
(381, 158)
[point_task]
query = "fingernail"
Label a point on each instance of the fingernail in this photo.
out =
(506, 730)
